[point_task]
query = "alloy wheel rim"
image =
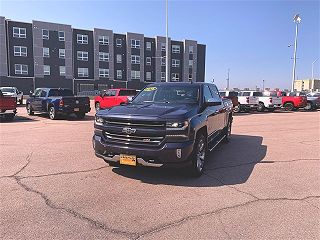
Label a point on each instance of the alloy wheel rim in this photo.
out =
(51, 113)
(308, 107)
(200, 155)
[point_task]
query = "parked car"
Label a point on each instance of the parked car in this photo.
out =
(8, 107)
(247, 101)
(165, 125)
(268, 100)
(293, 100)
(313, 101)
(57, 102)
(13, 92)
(113, 97)
(233, 96)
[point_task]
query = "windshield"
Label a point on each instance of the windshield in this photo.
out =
(10, 90)
(60, 93)
(168, 94)
(127, 92)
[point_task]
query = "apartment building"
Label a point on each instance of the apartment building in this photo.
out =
(43, 54)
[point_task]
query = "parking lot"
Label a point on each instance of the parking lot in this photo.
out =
(264, 184)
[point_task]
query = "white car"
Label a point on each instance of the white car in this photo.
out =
(247, 101)
(12, 92)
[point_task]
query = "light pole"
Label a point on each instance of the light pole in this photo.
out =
(296, 20)
(312, 77)
(167, 44)
(263, 85)
(228, 79)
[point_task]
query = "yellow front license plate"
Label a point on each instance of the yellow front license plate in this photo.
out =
(128, 160)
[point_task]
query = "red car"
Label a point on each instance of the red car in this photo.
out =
(8, 107)
(113, 97)
(293, 100)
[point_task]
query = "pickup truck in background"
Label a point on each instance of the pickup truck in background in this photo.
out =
(8, 107)
(247, 101)
(165, 125)
(13, 92)
(233, 96)
(313, 101)
(293, 100)
(113, 97)
(268, 100)
(57, 102)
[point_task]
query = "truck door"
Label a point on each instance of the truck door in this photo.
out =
(36, 101)
(222, 113)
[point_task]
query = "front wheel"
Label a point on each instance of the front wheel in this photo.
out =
(198, 156)
(288, 107)
(261, 107)
(29, 110)
(309, 106)
(52, 113)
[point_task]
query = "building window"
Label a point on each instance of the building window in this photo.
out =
(62, 70)
(175, 49)
(62, 53)
(46, 70)
(175, 77)
(119, 74)
(190, 77)
(163, 47)
(135, 59)
(82, 56)
(103, 57)
(20, 51)
(163, 76)
(119, 42)
(21, 69)
(135, 43)
(19, 32)
(103, 72)
(83, 72)
(163, 61)
(103, 40)
(190, 49)
(135, 74)
(148, 61)
(82, 39)
(45, 52)
(119, 58)
(148, 46)
(45, 34)
(61, 36)
(190, 63)
(175, 62)
(148, 76)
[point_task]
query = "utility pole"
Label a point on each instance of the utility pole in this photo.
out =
(167, 45)
(263, 85)
(296, 20)
(228, 79)
(312, 76)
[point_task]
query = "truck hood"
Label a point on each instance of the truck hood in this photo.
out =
(151, 111)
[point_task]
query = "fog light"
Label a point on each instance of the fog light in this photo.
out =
(178, 153)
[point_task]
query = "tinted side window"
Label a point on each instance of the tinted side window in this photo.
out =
(43, 93)
(111, 93)
(247, 94)
(257, 94)
(206, 93)
(37, 92)
(214, 91)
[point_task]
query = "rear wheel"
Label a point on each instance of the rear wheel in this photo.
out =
(29, 110)
(97, 105)
(52, 113)
(309, 106)
(288, 107)
(261, 107)
(198, 156)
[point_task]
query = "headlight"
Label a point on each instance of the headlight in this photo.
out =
(177, 125)
(99, 120)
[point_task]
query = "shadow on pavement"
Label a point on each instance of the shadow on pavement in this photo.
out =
(231, 163)
(18, 118)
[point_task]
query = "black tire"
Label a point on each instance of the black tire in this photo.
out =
(198, 156)
(227, 133)
(52, 113)
(261, 107)
(97, 106)
(288, 107)
(309, 106)
(80, 115)
(237, 109)
(29, 110)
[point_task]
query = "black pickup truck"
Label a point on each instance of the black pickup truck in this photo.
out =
(166, 124)
(57, 102)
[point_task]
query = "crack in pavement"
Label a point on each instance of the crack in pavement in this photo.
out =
(223, 226)
(217, 211)
(265, 161)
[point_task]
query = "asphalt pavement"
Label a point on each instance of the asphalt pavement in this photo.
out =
(264, 184)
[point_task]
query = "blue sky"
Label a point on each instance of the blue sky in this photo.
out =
(249, 37)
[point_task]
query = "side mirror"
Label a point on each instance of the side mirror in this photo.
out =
(213, 102)
(30, 94)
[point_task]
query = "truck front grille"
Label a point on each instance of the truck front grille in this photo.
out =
(133, 139)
